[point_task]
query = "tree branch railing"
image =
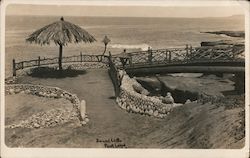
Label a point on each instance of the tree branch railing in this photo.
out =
(176, 56)
(114, 75)
(49, 61)
(168, 56)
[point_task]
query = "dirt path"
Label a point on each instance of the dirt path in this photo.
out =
(108, 121)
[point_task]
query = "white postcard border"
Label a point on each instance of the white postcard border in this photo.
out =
(115, 153)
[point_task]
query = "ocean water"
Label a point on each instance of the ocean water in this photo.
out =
(124, 32)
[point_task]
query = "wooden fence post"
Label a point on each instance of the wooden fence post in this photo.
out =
(81, 56)
(166, 58)
(14, 67)
(150, 55)
(123, 59)
(191, 49)
(130, 60)
(39, 59)
(110, 59)
(186, 50)
(190, 53)
(169, 56)
(233, 51)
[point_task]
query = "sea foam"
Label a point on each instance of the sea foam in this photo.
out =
(143, 46)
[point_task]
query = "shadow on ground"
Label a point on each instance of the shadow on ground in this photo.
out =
(47, 72)
(230, 92)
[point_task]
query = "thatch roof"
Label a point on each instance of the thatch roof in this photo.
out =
(61, 32)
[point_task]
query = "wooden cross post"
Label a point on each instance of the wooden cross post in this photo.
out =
(169, 56)
(14, 67)
(110, 59)
(150, 55)
(186, 51)
(38, 62)
(130, 60)
(166, 58)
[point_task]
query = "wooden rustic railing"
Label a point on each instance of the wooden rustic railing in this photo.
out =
(168, 56)
(177, 56)
(180, 57)
(114, 75)
(48, 61)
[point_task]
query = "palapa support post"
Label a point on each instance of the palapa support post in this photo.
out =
(14, 67)
(60, 57)
(38, 62)
(81, 56)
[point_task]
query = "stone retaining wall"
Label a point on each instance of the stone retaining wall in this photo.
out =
(132, 101)
(50, 92)
(135, 102)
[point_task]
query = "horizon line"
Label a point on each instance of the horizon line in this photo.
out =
(127, 16)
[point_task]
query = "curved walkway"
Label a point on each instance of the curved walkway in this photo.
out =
(107, 120)
(186, 127)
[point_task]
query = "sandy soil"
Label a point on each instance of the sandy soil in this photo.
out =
(18, 108)
(191, 126)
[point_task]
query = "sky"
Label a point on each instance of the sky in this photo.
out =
(124, 11)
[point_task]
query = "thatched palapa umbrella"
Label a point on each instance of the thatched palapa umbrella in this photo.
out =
(62, 33)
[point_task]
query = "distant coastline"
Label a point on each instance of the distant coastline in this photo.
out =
(240, 34)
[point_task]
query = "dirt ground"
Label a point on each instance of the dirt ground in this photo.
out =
(190, 126)
(18, 108)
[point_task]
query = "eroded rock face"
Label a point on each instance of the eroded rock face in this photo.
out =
(151, 83)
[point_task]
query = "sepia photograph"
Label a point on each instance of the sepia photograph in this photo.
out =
(124, 76)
